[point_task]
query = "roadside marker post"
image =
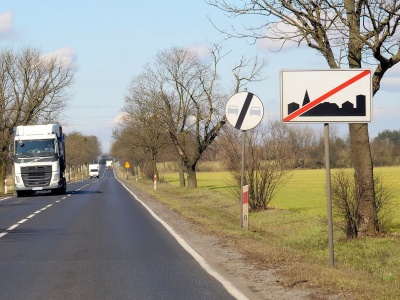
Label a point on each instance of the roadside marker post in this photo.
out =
(5, 186)
(245, 207)
(155, 182)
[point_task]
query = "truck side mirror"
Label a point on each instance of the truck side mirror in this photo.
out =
(61, 149)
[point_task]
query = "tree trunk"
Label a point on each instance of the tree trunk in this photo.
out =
(364, 179)
(3, 173)
(182, 182)
(191, 173)
(154, 165)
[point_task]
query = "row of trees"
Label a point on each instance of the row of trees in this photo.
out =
(81, 150)
(33, 90)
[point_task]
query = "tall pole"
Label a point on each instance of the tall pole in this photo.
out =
(328, 195)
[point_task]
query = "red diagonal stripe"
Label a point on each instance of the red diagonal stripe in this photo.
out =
(311, 104)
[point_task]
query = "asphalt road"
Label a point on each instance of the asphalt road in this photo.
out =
(95, 242)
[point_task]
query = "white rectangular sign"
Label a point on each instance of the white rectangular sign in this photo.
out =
(326, 96)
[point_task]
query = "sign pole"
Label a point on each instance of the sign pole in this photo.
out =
(244, 111)
(328, 195)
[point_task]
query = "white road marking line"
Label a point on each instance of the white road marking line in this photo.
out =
(2, 199)
(13, 227)
(24, 220)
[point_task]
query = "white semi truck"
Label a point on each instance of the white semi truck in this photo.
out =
(39, 159)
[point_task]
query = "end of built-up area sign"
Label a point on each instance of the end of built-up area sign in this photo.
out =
(326, 96)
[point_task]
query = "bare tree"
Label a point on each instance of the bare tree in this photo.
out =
(303, 139)
(266, 159)
(248, 70)
(122, 149)
(180, 92)
(146, 127)
(32, 91)
(346, 198)
(361, 31)
(192, 103)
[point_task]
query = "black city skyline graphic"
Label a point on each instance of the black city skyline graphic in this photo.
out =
(331, 109)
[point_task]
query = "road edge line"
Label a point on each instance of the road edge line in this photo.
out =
(201, 261)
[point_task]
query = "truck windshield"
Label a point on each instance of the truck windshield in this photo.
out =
(29, 148)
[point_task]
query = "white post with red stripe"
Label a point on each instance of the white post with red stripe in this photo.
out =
(155, 182)
(245, 207)
(5, 186)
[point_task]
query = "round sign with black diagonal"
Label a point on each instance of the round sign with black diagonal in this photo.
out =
(244, 111)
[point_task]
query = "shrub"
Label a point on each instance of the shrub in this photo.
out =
(345, 201)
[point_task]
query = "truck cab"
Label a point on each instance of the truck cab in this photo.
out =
(94, 170)
(39, 159)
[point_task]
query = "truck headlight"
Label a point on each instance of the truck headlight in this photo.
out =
(18, 179)
(55, 177)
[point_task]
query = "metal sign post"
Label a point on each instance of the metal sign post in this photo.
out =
(328, 195)
(242, 180)
(127, 166)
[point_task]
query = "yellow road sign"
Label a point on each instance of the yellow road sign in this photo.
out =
(127, 165)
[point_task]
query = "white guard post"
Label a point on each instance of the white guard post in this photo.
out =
(245, 208)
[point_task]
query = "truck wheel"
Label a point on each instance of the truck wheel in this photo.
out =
(20, 194)
(64, 186)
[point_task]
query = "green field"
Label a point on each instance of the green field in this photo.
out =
(303, 192)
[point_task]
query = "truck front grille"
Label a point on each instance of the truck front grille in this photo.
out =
(36, 176)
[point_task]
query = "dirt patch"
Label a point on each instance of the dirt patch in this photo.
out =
(254, 281)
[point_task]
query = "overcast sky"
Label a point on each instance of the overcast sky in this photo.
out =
(111, 41)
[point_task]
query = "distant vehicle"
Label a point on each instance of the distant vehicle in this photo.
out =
(38, 152)
(94, 170)
(109, 164)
